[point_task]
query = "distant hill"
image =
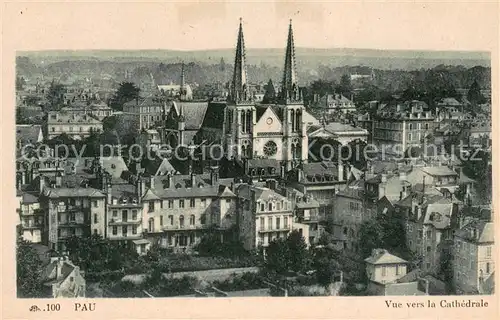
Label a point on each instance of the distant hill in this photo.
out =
(306, 57)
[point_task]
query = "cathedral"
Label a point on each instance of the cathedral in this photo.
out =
(276, 131)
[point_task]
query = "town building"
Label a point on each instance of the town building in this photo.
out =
(473, 258)
(341, 132)
(333, 103)
(399, 126)
(31, 217)
(384, 270)
(62, 279)
(265, 215)
(76, 125)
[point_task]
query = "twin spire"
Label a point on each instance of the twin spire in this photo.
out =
(239, 92)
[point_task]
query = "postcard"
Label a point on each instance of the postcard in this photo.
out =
(251, 160)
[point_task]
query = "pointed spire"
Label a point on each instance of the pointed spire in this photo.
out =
(182, 91)
(290, 86)
(239, 85)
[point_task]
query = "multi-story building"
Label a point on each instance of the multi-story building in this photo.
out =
(74, 124)
(333, 103)
(399, 126)
(428, 221)
(473, 259)
(31, 217)
(62, 279)
(179, 209)
(307, 212)
(320, 180)
(147, 112)
(78, 211)
(264, 215)
(96, 110)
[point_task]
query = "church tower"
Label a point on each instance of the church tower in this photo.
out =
(295, 138)
(182, 90)
(240, 113)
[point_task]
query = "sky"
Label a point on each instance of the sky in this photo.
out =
(199, 25)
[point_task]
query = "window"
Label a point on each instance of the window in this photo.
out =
(262, 207)
(428, 234)
(384, 271)
(96, 204)
(181, 221)
(428, 248)
(181, 203)
(170, 240)
(95, 218)
(203, 203)
(203, 219)
(124, 230)
(161, 221)
(270, 223)
(261, 223)
(115, 230)
(192, 220)
(53, 129)
(488, 252)
(151, 225)
(151, 207)
(161, 204)
(488, 267)
(95, 231)
(410, 126)
(124, 215)
(397, 270)
(191, 203)
(270, 206)
(134, 214)
(278, 223)
(134, 230)
(427, 265)
(170, 204)
(285, 222)
(278, 206)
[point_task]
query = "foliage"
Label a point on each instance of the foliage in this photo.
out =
(385, 231)
(284, 255)
(55, 96)
(474, 94)
(211, 245)
(270, 93)
(29, 282)
(95, 254)
(20, 83)
(127, 91)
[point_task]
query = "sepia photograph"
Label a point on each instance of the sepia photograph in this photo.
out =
(243, 164)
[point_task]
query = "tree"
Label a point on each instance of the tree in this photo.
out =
(20, 82)
(290, 254)
(474, 94)
(270, 93)
(127, 91)
(55, 96)
(29, 282)
(345, 86)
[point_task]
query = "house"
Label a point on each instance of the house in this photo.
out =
(62, 279)
(321, 180)
(76, 125)
(264, 216)
(473, 259)
(341, 132)
(384, 270)
(307, 212)
(31, 217)
(145, 112)
(332, 103)
(429, 233)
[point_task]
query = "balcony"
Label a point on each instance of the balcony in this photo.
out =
(119, 222)
(274, 229)
(72, 223)
(309, 219)
(185, 227)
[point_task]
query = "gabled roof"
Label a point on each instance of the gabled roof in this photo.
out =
(193, 112)
(72, 193)
(382, 256)
(482, 230)
(439, 171)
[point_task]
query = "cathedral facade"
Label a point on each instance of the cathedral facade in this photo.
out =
(273, 131)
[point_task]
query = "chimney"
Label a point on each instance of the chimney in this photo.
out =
(193, 180)
(58, 179)
(214, 175)
(42, 183)
(300, 174)
(423, 185)
(152, 182)
(340, 167)
(383, 178)
(139, 188)
(170, 180)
